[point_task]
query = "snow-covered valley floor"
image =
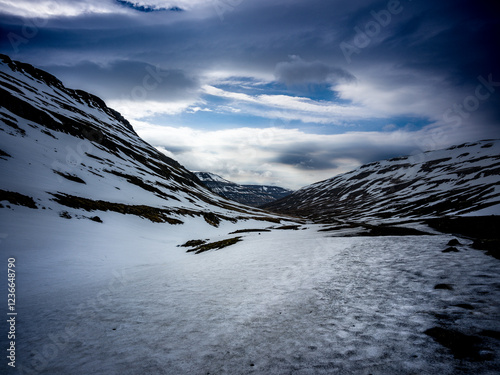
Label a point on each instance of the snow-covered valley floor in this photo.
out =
(122, 298)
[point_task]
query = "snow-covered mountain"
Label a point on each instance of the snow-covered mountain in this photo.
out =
(252, 195)
(460, 180)
(100, 228)
(65, 151)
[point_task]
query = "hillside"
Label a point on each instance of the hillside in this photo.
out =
(460, 180)
(251, 195)
(65, 151)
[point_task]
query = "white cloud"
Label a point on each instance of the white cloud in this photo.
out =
(251, 155)
(233, 76)
(53, 8)
(384, 91)
(71, 8)
(133, 110)
(292, 107)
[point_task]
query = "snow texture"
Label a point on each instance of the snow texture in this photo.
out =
(122, 298)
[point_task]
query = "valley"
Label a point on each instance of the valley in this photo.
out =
(126, 263)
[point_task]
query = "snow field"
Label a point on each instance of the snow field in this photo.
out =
(122, 298)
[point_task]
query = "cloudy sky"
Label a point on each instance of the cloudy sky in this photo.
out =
(281, 92)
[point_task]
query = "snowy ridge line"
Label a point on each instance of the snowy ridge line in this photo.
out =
(463, 179)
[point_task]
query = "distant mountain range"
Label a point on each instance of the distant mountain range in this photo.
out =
(460, 180)
(251, 195)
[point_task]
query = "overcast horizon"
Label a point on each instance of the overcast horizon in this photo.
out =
(275, 92)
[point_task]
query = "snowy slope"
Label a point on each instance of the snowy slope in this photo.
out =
(283, 302)
(252, 195)
(67, 152)
(461, 180)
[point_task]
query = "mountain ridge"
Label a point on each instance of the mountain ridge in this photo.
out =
(53, 81)
(85, 157)
(462, 179)
(252, 195)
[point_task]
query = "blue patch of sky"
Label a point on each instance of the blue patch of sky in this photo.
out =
(146, 8)
(249, 86)
(317, 92)
(203, 120)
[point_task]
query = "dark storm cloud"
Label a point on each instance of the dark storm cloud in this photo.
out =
(321, 156)
(458, 39)
(306, 160)
(131, 80)
(297, 71)
(434, 35)
(255, 36)
(446, 44)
